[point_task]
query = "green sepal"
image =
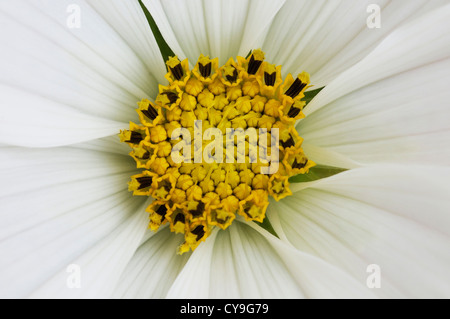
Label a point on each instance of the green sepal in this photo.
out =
(166, 51)
(315, 173)
(309, 95)
(267, 226)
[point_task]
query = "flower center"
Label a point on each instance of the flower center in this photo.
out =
(217, 141)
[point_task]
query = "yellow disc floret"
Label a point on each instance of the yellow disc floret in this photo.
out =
(218, 173)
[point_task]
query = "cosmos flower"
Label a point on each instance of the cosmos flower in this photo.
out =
(68, 87)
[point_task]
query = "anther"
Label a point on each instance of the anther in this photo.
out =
(135, 137)
(175, 68)
(205, 70)
(199, 210)
(269, 79)
(231, 73)
(295, 88)
(162, 210)
(179, 218)
(173, 97)
(232, 78)
(293, 112)
(300, 165)
(151, 113)
(177, 71)
(256, 59)
(144, 182)
(253, 65)
(199, 231)
(145, 156)
(288, 143)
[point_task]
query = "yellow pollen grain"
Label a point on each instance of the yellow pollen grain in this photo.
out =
(270, 68)
(258, 55)
(172, 62)
(204, 60)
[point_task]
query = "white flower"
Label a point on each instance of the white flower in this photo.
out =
(66, 92)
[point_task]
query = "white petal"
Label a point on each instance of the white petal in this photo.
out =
(243, 263)
(413, 45)
(57, 204)
(391, 107)
(54, 73)
(193, 281)
(395, 217)
(403, 119)
(273, 216)
(325, 156)
(223, 29)
(102, 266)
(153, 268)
(317, 278)
(128, 20)
(40, 122)
(325, 38)
(245, 266)
(110, 144)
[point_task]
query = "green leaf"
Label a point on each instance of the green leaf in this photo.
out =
(315, 173)
(310, 95)
(166, 51)
(267, 226)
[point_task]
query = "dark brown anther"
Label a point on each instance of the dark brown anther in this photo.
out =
(162, 210)
(145, 156)
(296, 165)
(295, 88)
(151, 113)
(293, 112)
(232, 78)
(288, 143)
(269, 79)
(253, 65)
(172, 96)
(205, 70)
(247, 211)
(179, 218)
(199, 211)
(144, 182)
(135, 138)
(199, 231)
(177, 71)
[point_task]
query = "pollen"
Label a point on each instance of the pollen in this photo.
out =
(214, 180)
